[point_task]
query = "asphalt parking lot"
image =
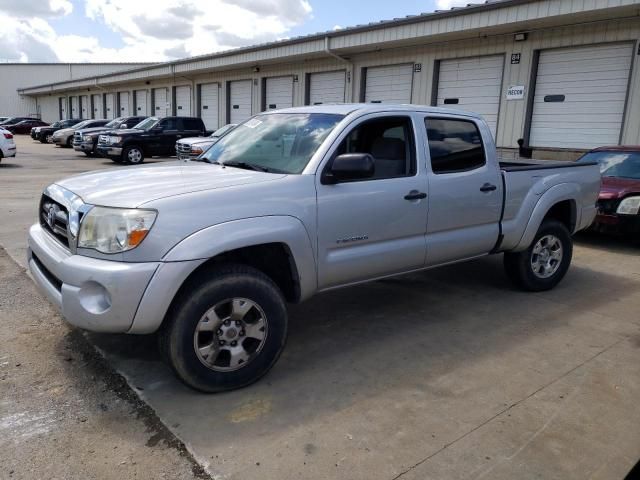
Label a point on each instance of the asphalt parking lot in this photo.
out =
(444, 374)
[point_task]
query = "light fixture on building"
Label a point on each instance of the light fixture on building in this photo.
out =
(256, 69)
(520, 37)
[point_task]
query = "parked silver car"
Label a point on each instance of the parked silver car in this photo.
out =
(193, 147)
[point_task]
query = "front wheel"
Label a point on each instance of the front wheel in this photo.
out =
(133, 155)
(545, 262)
(227, 331)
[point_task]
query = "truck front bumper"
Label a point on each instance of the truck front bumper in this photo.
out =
(111, 152)
(83, 147)
(104, 295)
(93, 294)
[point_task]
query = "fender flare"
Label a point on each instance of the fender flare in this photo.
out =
(556, 194)
(217, 239)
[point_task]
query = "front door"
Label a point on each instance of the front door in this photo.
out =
(465, 190)
(376, 226)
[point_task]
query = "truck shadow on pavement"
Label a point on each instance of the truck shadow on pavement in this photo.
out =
(391, 338)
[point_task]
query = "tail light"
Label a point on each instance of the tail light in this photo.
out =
(8, 135)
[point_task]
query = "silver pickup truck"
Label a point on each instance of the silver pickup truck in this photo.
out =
(289, 204)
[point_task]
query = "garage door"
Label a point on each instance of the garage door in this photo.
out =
(141, 103)
(97, 106)
(278, 93)
(62, 105)
(239, 101)
(390, 84)
(580, 96)
(183, 101)
(160, 102)
(472, 84)
(209, 105)
(75, 109)
(110, 103)
(326, 87)
(85, 108)
(124, 105)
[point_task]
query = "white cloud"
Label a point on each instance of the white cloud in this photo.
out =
(447, 4)
(151, 30)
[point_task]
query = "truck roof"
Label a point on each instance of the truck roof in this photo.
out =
(347, 108)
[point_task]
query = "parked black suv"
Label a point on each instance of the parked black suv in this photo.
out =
(152, 137)
(86, 139)
(46, 133)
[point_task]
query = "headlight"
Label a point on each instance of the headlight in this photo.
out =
(629, 206)
(113, 140)
(114, 230)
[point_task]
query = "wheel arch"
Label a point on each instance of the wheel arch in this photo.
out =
(559, 203)
(264, 243)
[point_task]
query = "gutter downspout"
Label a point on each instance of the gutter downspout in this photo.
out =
(349, 64)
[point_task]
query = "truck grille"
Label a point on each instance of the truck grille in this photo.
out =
(77, 138)
(103, 140)
(54, 217)
(183, 149)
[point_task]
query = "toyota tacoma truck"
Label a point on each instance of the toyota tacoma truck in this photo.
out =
(151, 137)
(291, 203)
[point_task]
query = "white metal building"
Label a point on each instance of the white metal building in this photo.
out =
(562, 75)
(16, 76)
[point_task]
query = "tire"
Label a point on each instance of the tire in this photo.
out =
(68, 143)
(544, 264)
(133, 155)
(234, 290)
(48, 138)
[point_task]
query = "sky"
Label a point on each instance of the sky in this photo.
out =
(160, 30)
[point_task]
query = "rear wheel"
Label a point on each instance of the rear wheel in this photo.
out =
(133, 154)
(545, 262)
(226, 332)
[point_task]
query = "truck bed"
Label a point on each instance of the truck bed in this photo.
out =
(518, 165)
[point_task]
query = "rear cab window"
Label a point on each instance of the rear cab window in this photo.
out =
(455, 145)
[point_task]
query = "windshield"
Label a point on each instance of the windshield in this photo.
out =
(615, 163)
(277, 142)
(222, 130)
(115, 122)
(147, 123)
(56, 124)
(80, 125)
(9, 121)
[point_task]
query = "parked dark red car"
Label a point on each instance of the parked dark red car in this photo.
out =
(619, 202)
(25, 126)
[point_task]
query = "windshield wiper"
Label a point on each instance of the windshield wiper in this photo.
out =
(247, 166)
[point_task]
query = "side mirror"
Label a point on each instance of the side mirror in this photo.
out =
(350, 166)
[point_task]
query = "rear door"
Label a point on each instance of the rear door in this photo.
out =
(369, 228)
(209, 105)
(326, 87)
(278, 93)
(239, 100)
(389, 84)
(465, 189)
(171, 131)
(472, 84)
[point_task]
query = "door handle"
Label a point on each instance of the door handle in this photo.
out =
(415, 195)
(487, 187)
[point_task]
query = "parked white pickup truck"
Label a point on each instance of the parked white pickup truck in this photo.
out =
(288, 204)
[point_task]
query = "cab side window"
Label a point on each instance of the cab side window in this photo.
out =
(169, 124)
(390, 142)
(454, 145)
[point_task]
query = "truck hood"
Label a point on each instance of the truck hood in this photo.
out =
(615, 187)
(135, 186)
(196, 140)
(95, 130)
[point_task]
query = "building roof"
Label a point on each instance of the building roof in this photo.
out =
(513, 14)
